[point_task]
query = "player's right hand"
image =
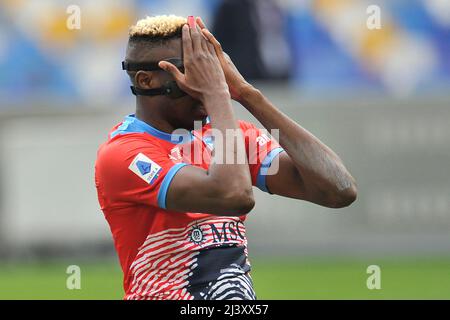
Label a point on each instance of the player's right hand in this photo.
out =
(236, 82)
(203, 76)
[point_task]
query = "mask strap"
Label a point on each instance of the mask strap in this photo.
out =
(169, 89)
(147, 92)
(150, 66)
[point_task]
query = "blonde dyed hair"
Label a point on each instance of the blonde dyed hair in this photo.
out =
(158, 27)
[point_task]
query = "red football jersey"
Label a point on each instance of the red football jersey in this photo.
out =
(166, 254)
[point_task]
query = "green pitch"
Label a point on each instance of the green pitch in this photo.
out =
(273, 279)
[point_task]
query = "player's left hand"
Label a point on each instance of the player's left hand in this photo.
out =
(236, 82)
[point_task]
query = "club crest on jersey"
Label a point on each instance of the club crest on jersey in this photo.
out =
(196, 235)
(145, 168)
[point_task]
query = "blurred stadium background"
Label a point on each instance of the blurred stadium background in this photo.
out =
(380, 98)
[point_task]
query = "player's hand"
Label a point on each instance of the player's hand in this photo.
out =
(203, 75)
(236, 82)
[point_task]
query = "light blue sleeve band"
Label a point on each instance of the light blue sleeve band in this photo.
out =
(267, 162)
(166, 183)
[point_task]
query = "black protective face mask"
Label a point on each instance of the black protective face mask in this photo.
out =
(170, 88)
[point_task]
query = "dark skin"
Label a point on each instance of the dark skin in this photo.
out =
(161, 112)
(223, 189)
(308, 170)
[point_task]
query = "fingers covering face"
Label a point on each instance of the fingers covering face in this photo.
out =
(211, 48)
(187, 42)
(200, 23)
(204, 41)
(197, 38)
(172, 69)
(212, 39)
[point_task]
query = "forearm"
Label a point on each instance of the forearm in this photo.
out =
(316, 163)
(320, 171)
(225, 188)
(228, 167)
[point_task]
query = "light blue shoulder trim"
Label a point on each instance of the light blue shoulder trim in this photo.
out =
(166, 183)
(131, 124)
(267, 162)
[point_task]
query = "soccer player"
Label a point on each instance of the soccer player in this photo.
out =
(177, 218)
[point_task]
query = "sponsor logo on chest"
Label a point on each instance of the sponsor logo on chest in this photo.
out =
(219, 232)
